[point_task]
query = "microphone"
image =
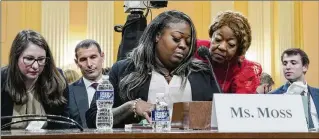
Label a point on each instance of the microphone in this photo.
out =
(65, 120)
(203, 52)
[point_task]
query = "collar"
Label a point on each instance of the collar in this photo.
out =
(159, 67)
(286, 86)
(307, 91)
(88, 83)
(289, 83)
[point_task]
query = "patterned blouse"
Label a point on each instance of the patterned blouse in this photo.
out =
(238, 76)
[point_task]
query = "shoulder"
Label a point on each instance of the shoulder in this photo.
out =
(278, 90)
(251, 65)
(203, 73)
(249, 69)
(4, 74)
(203, 84)
(76, 83)
(120, 69)
(5, 97)
(121, 65)
(314, 89)
(246, 77)
(201, 76)
(4, 71)
(198, 65)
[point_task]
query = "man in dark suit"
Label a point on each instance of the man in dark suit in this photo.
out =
(89, 58)
(295, 64)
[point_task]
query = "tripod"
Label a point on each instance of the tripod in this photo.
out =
(131, 32)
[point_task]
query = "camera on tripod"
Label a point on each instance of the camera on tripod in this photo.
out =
(130, 6)
(136, 8)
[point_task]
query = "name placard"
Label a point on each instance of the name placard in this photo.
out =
(258, 113)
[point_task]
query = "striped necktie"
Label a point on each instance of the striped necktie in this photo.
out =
(309, 117)
(94, 85)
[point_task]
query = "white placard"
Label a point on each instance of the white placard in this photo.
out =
(35, 125)
(258, 113)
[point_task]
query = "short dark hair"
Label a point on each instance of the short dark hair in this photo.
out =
(266, 78)
(86, 44)
(296, 51)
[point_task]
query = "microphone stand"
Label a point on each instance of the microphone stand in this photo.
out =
(212, 70)
(67, 120)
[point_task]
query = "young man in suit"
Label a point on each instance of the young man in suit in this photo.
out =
(295, 64)
(89, 58)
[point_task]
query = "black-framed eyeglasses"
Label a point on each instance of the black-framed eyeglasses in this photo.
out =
(30, 60)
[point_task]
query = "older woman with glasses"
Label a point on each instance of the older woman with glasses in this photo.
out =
(31, 83)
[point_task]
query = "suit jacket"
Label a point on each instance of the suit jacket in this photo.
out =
(78, 102)
(7, 104)
(314, 92)
(202, 86)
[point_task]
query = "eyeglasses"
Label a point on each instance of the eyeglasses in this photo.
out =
(30, 60)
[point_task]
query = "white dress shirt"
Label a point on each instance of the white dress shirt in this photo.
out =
(89, 89)
(172, 91)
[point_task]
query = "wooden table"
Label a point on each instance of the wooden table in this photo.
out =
(139, 133)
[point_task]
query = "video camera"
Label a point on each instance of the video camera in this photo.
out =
(130, 6)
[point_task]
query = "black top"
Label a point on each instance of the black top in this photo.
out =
(202, 86)
(7, 104)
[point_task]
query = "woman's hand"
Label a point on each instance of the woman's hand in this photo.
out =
(144, 109)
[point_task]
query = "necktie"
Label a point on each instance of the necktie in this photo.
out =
(309, 114)
(309, 120)
(94, 85)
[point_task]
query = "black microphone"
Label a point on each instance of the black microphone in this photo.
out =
(203, 52)
(49, 118)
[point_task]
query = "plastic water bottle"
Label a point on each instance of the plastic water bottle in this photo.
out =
(104, 102)
(161, 115)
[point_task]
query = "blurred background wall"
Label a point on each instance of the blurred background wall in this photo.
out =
(276, 26)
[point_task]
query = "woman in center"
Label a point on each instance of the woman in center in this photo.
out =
(161, 63)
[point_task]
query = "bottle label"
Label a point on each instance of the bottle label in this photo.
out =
(160, 115)
(105, 95)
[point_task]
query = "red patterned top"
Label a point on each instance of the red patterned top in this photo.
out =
(239, 76)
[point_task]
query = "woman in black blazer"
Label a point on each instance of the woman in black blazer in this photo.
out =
(165, 50)
(31, 83)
